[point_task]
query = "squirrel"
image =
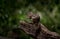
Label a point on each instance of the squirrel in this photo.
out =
(35, 19)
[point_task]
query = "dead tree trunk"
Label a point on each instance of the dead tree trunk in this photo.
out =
(42, 33)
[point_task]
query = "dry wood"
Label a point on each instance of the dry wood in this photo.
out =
(44, 33)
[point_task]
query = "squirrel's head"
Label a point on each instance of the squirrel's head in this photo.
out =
(35, 17)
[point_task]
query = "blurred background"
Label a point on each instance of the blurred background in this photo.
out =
(13, 11)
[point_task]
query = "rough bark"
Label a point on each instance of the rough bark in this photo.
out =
(42, 32)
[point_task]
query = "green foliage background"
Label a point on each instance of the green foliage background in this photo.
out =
(12, 11)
